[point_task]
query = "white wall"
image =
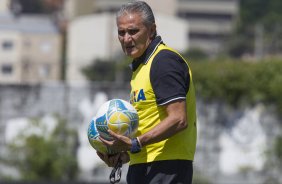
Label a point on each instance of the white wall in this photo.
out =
(168, 7)
(89, 38)
(4, 6)
(174, 31)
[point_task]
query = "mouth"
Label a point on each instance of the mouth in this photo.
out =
(129, 47)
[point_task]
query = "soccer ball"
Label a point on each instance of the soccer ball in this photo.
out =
(116, 115)
(95, 142)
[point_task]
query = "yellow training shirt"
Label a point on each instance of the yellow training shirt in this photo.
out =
(180, 146)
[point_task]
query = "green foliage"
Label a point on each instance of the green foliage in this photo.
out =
(195, 55)
(244, 83)
(45, 157)
(239, 44)
(239, 82)
(273, 164)
(252, 13)
(102, 70)
(260, 11)
(199, 179)
(245, 169)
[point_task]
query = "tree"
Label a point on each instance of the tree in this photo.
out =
(108, 70)
(45, 157)
(266, 14)
(100, 70)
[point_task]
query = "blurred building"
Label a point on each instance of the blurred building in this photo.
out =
(89, 38)
(92, 37)
(95, 37)
(210, 21)
(74, 8)
(4, 6)
(30, 49)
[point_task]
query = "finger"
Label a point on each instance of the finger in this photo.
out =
(124, 142)
(112, 161)
(103, 157)
(125, 157)
(118, 136)
(116, 158)
(113, 134)
(106, 142)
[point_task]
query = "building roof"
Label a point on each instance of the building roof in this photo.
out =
(27, 23)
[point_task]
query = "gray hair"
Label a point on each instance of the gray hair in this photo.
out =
(138, 7)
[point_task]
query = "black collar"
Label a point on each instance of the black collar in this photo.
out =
(144, 58)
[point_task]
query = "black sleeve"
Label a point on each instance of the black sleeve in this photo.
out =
(169, 77)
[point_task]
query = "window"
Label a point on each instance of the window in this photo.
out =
(7, 45)
(45, 47)
(204, 15)
(7, 69)
(26, 65)
(27, 43)
(44, 70)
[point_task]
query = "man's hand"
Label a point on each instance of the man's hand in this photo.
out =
(112, 160)
(119, 143)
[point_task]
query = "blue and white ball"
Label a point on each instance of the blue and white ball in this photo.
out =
(95, 142)
(117, 115)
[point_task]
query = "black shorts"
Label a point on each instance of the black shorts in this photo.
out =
(161, 172)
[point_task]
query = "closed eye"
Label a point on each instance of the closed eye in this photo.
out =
(121, 33)
(133, 31)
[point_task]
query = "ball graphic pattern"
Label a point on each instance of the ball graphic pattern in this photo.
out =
(116, 115)
(95, 142)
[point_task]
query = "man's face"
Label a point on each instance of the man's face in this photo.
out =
(133, 35)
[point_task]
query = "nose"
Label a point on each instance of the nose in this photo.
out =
(127, 37)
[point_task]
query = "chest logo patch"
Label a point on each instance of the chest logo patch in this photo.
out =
(138, 95)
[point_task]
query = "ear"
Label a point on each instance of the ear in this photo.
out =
(153, 31)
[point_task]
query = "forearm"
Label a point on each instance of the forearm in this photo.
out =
(171, 125)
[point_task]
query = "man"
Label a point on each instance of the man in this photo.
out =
(163, 95)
